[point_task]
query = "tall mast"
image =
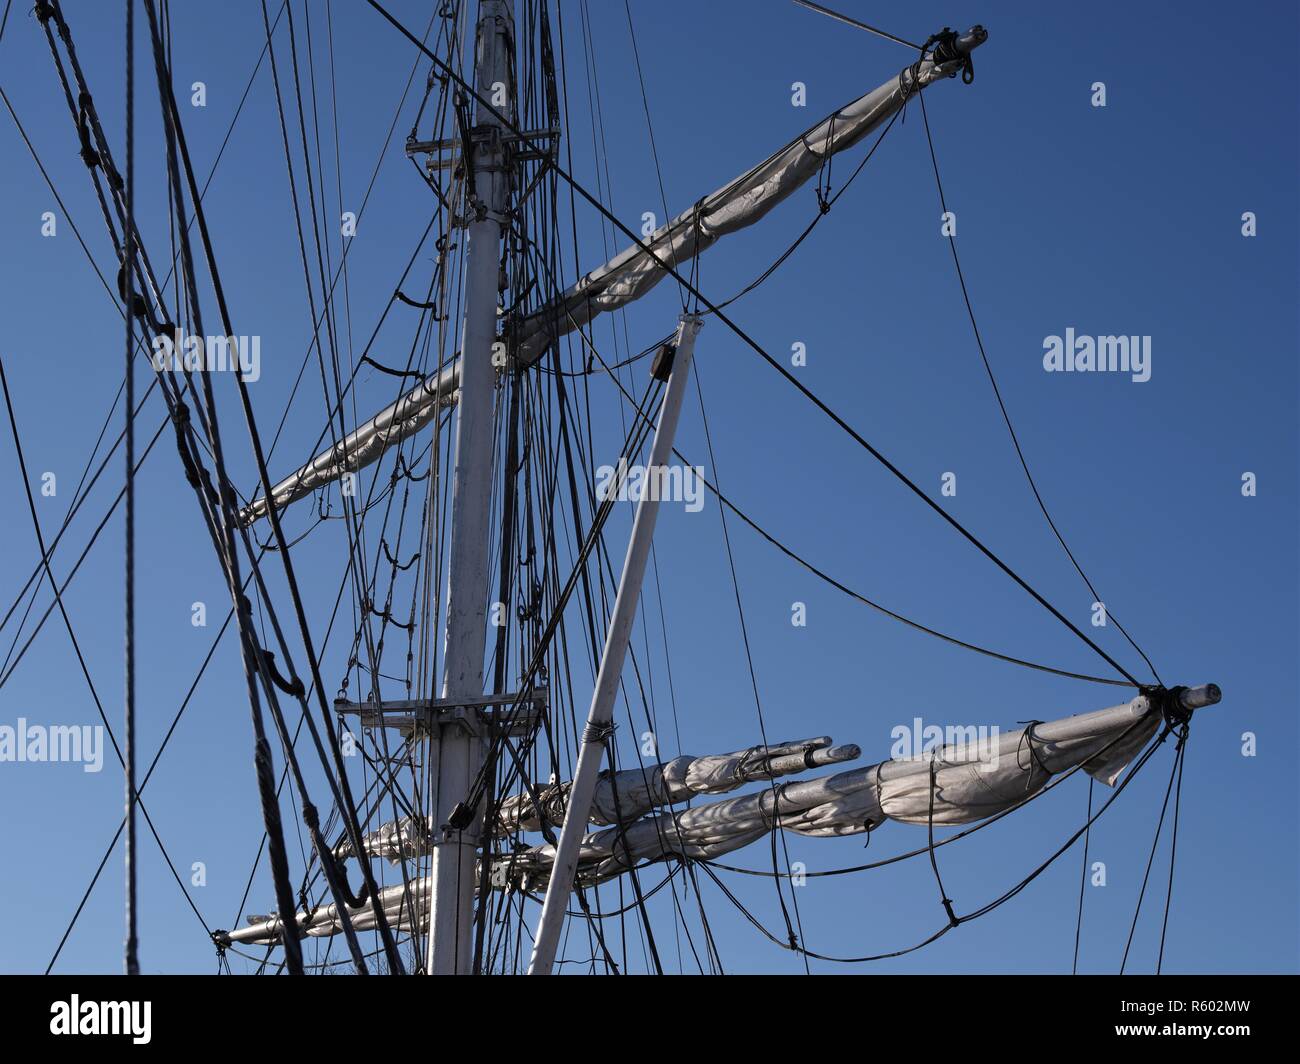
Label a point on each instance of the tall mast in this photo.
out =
(454, 747)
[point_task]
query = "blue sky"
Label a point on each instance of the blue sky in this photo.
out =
(1117, 220)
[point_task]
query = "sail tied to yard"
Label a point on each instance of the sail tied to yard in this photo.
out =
(636, 270)
(955, 784)
(480, 830)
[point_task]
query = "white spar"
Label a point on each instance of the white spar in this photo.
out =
(970, 784)
(621, 797)
(630, 274)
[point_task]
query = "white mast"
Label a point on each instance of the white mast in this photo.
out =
(454, 748)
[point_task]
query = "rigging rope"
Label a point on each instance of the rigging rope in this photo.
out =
(1083, 882)
(43, 567)
(72, 636)
(1173, 855)
(769, 359)
(132, 958)
(976, 914)
(944, 900)
(339, 784)
(918, 851)
(833, 582)
(775, 789)
(1002, 406)
(207, 495)
(1175, 772)
(339, 392)
(854, 22)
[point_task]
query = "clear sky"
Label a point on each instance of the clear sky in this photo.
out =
(1123, 219)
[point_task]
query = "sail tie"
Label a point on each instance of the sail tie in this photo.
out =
(293, 688)
(598, 732)
(945, 901)
(1027, 740)
(402, 469)
(389, 554)
(308, 910)
(367, 360)
(386, 614)
(1168, 700)
(431, 305)
(945, 51)
(944, 45)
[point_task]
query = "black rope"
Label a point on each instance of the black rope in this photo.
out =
(171, 730)
(764, 354)
(293, 687)
(853, 22)
(387, 615)
(825, 201)
(983, 911)
(1173, 853)
(132, 955)
(909, 854)
(339, 782)
(77, 649)
(224, 554)
(81, 661)
(827, 578)
(1002, 406)
(366, 360)
(944, 900)
(393, 561)
(758, 703)
(430, 305)
(1027, 741)
(1083, 882)
(1155, 843)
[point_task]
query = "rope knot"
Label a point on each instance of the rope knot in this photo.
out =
(1168, 701)
(953, 918)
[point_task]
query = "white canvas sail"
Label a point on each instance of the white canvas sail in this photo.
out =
(623, 796)
(632, 273)
(950, 785)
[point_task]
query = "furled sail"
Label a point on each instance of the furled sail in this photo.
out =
(623, 796)
(363, 445)
(633, 272)
(959, 783)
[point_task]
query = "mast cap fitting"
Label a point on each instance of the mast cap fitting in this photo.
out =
(661, 367)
